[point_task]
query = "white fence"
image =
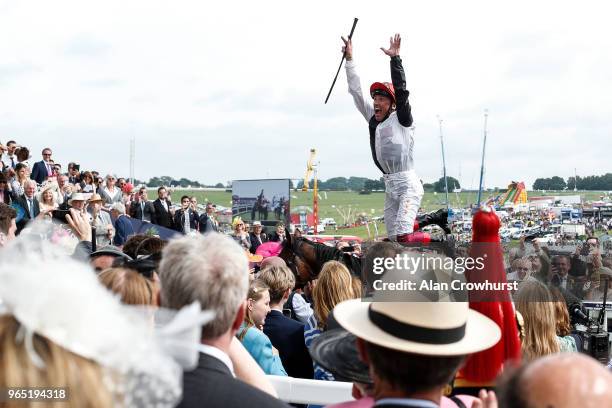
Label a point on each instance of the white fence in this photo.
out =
(300, 391)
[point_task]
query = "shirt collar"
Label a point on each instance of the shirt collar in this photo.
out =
(408, 402)
(218, 354)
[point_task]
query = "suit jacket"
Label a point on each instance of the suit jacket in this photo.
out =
(255, 242)
(211, 384)
(101, 231)
(274, 237)
(162, 217)
(22, 201)
(179, 220)
(207, 224)
(287, 335)
(123, 230)
(39, 172)
(137, 212)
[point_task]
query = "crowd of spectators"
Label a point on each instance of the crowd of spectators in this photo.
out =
(395, 354)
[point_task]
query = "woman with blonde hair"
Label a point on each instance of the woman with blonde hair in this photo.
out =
(67, 341)
(240, 235)
(47, 198)
(335, 284)
(74, 379)
(251, 332)
(535, 303)
(132, 287)
(562, 322)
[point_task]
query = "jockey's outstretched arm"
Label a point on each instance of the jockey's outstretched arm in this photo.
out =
(398, 77)
(354, 83)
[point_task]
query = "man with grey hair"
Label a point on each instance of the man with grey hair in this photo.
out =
(214, 271)
(123, 226)
(29, 203)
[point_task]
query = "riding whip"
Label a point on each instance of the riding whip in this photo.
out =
(341, 61)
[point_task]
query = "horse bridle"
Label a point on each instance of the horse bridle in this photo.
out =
(295, 251)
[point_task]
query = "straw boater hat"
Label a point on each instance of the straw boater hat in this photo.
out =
(96, 198)
(427, 328)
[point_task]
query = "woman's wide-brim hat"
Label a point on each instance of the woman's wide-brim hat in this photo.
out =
(268, 249)
(49, 186)
(427, 328)
(336, 351)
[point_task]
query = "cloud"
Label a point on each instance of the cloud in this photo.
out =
(12, 71)
(86, 45)
(214, 99)
(104, 83)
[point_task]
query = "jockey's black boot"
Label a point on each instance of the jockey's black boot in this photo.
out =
(439, 218)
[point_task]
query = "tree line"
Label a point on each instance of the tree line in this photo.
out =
(596, 183)
(368, 185)
(364, 184)
(171, 182)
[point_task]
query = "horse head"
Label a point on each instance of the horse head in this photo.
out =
(294, 258)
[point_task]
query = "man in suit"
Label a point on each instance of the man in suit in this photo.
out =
(29, 203)
(286, 334)
(74, 173)
(163, 209)
(65, 191)
(44, 168)
(213, 270)
(142, 209)
(185, 219)
(123, 225)
(257, 236)
(9, 158)
(207, 221)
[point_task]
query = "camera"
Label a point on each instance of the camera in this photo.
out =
(591, 335)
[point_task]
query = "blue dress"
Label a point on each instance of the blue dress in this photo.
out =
(259, 347)
(311, 332)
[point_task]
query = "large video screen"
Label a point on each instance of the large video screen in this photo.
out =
(261, 200)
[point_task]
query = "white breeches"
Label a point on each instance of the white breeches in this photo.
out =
(404, 192)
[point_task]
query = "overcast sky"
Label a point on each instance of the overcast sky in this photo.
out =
(216, 91)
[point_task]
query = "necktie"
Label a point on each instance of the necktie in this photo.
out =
(48, 169)
(30, 208)
(186, 226)
(12, 162)
(142, 205)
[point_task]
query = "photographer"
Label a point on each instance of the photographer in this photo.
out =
(141, 208)
(74, 175)
(598, 283)
(87, 182)
(561, 278)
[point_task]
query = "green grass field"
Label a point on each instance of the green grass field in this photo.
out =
(344, 206)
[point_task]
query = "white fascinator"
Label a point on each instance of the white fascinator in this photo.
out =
(143, 351)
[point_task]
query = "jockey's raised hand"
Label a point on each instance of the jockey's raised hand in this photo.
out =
(394, 46)
(348, 48)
